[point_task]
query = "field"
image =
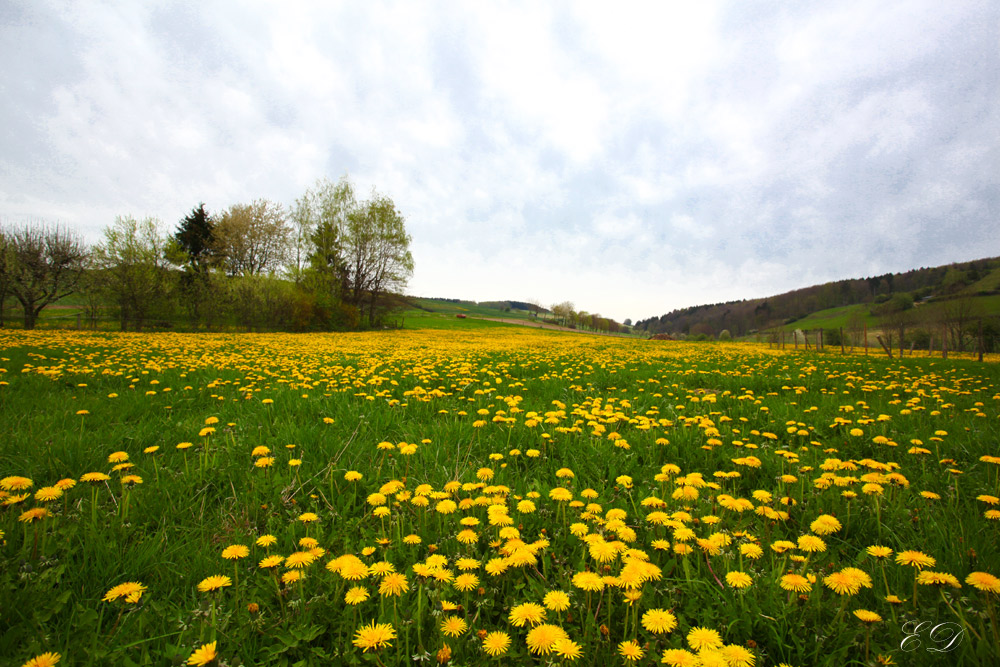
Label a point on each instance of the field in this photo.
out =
(479, 494)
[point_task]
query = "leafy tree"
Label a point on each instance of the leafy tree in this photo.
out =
(42, 265)
(253, 238)
(132, 267)
(330, 206)
(563, 312)
(377, 254)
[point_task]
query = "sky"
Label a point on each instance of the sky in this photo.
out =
(631, 158)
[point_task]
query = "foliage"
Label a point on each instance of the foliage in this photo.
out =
(130, 265)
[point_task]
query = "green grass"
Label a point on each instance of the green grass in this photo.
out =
(617, 413)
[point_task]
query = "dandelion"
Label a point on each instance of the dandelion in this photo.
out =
(811, 544)
(659, 621)
(130, 590)
(915, 559)
(928, 578)
(630, 650)
(825, 525)
(374, 636)
(567, 649)
(542, 638)
(701, 638)
(795, 583)
(453, 626)
(738, 579)
(588, 581)
(879, 551)
(214, 583)
(527, 613)
(393, 584)
(496, 643)
(34, 514)
(300, 559)
(984, 581)
(48, 493)
(271, 562)
(203, 655)
(678, 657)
(356, 595)
(556, 601)
(466, 582)
(43, 660)
(737, 656)
(235, 552)
(842, 583)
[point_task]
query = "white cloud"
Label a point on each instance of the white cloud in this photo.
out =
(631, 158)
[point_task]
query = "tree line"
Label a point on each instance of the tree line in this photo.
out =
(329, 261)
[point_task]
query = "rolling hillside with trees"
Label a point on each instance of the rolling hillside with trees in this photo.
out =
(913, 309)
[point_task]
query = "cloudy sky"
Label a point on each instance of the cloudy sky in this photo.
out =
(629, 157)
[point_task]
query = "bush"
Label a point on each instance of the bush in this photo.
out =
(725, 335)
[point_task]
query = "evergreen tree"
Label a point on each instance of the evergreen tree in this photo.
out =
(195, 237)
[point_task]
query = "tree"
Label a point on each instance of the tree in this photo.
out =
(563, 312)
(253, 238)
(377, 254)
(894, 317)
(958, 315)
(856, 325)
(4, 272)
(327, 207)
(193, 244)
(43, 264)
(132, 267)
(195, 236)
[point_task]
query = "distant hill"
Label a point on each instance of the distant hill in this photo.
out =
(481, 308)
(975, 284)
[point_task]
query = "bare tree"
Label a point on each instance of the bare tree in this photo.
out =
(43, 264)
(959, 316)
(4, 272)
(856, 326)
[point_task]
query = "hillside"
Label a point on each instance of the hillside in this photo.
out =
(932, 297)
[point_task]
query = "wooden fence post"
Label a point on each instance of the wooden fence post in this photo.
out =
(980, 337)
(841, 340)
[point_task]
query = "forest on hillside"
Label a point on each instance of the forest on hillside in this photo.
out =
(916, 302)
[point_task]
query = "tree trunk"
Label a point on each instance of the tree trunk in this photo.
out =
(884, 346)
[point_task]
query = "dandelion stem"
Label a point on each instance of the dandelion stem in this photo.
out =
(960, 616)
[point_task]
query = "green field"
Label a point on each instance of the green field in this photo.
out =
(468, 493)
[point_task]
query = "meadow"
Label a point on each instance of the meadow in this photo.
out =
(478, 495)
